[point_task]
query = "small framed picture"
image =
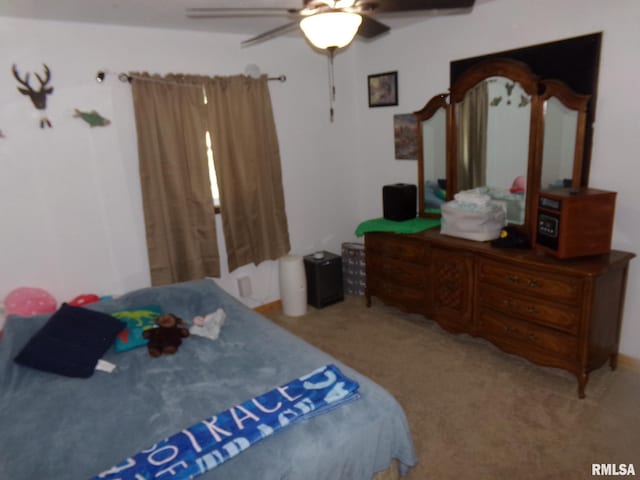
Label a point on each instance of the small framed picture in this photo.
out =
(405, 135)
(383, 89)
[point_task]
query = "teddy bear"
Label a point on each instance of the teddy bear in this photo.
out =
(208, 326)
(167, 336)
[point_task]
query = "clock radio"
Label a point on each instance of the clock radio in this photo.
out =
(574, 222)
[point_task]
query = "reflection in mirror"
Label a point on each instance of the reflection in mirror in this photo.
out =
(493, 122)
(558, 150)
(563, 126)
(434, 160)
(432, 155)
(472, 115)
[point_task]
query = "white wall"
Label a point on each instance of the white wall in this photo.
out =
(71, 211)
(71, 214)
(421, 55)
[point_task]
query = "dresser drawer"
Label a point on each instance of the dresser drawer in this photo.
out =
(555, 315)
(395, 246)
(529, 282)
(526, 339)
(400, 272)
(410, 299)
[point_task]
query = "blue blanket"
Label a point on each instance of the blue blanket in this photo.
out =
(211, 442)
(110, 416)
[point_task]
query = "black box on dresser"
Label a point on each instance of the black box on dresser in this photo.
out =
(399, 201)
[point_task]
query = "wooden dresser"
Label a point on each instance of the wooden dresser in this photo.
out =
(558, 313)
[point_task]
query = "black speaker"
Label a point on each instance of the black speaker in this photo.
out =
(399, 201)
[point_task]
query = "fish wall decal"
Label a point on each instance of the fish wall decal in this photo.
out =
(93, 118)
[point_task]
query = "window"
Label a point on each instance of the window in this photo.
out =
(215, 193)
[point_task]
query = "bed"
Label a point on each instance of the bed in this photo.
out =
(58, 427)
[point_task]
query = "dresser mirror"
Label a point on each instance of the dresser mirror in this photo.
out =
(432, 154)
(564, 116)
(508, 131)
(493, 124)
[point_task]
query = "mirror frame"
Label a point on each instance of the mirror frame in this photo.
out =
(514, 71)
(575, 61)
(428, 111)
(572, 101)
(539, 90)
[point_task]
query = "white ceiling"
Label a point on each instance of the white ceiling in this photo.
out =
(171, 13)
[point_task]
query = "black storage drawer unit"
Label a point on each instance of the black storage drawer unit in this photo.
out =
(324, 279)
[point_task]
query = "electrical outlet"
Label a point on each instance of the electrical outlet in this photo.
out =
(244, 286)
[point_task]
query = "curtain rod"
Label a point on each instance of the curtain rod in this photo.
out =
(124, 77)
(127, 78)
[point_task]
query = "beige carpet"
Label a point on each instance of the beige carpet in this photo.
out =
(474, 411)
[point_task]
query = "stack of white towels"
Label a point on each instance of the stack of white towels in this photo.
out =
(475, 199)
(472, 214)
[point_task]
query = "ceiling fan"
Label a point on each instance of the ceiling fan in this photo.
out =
(331, 24)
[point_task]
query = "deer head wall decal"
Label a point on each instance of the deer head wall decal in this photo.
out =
(38, 97)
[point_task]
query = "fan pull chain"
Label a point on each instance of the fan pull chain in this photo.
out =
(332, 85)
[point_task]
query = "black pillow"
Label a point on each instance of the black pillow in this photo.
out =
(71, 342)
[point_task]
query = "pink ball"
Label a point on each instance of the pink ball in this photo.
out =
(27, 301)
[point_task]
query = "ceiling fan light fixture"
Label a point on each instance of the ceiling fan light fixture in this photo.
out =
(331, 29)
(344, 3)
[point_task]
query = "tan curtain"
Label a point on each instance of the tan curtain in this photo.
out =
(247, 161)
(176, 191)
(472, 138)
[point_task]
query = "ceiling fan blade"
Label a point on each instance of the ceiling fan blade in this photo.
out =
(383, 6)
(234, 15)
(238, 9)
(370, 27)
(271, 34)
(230, 12)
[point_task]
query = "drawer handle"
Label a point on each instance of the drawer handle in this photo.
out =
(531, 337)
(532, 309)
(531, 283)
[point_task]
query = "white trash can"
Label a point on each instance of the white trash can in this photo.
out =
(293, 285)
